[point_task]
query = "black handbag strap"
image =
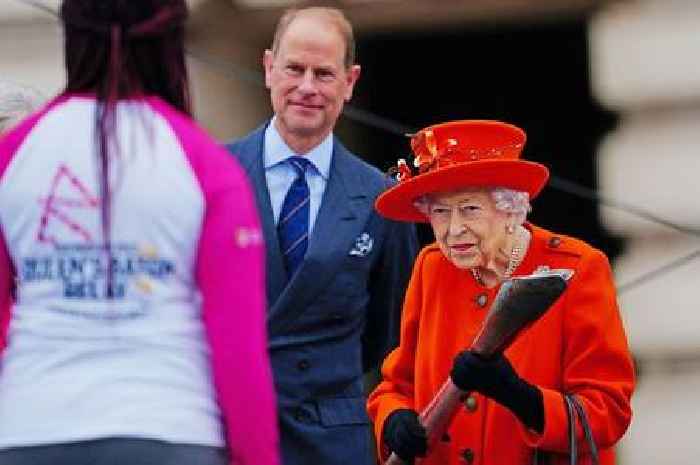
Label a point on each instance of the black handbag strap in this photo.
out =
(583, 419)
(575, 412)
(571, 414)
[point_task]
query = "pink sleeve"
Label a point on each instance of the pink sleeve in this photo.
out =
(231, 276)
(6, 279)
(9, 144)
(230, 272)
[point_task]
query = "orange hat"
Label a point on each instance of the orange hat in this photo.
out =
(461, 155)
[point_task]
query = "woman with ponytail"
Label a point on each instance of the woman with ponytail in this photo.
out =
(131, 264)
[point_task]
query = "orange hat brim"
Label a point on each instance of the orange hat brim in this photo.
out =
(397, 203)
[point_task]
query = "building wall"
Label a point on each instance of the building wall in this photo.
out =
(644, 67)
(31, 54)
(225, 103)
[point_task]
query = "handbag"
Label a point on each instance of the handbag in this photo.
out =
(574, 411)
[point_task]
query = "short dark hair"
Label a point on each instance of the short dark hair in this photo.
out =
(334, 15)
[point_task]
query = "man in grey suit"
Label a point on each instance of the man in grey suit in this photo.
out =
(336, 270)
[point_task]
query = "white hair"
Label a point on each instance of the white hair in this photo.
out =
(505, 200)
(512, 201)
(16, 102)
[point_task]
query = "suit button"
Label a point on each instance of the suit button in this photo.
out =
(468, 455)
(470, 404)
(554, 242)
(482, 300)
(303, 365)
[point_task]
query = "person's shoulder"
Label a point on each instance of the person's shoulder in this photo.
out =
(243, 144)
(13, 138)
(185, 128)
(212, 164)
(562, 245)
(371, 177)
(431, 256)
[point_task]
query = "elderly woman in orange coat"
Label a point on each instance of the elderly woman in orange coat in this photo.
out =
(474, 190)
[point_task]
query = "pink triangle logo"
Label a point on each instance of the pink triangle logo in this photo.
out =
(67, 193)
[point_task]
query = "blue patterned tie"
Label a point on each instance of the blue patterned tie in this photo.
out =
(293, 225)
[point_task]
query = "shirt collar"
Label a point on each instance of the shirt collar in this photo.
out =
(277, 151)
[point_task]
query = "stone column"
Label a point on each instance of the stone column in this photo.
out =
(645, 67)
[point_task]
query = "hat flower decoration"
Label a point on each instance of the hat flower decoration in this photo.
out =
(460, 155)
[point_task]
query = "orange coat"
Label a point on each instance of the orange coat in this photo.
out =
(579, 346)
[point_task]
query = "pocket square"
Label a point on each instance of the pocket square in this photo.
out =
(363, 245)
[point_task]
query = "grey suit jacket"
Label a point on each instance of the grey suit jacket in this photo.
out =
(339, 315)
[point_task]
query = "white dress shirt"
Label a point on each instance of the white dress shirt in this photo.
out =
(280, 175)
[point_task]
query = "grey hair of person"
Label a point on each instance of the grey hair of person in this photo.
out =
(505, 200)
(16, 102)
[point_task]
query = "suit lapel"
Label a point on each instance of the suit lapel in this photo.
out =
(251, 157)
(340, 220)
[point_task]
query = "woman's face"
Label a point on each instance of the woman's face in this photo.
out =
(468, 227)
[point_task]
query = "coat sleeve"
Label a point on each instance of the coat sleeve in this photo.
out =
(6, 284)
(387, 286)
(230, 274)
(397, 387)
(597, 365)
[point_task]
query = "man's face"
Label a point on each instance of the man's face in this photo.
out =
(308, 80)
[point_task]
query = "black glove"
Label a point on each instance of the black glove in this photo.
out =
(404, 435)
(496, 378)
